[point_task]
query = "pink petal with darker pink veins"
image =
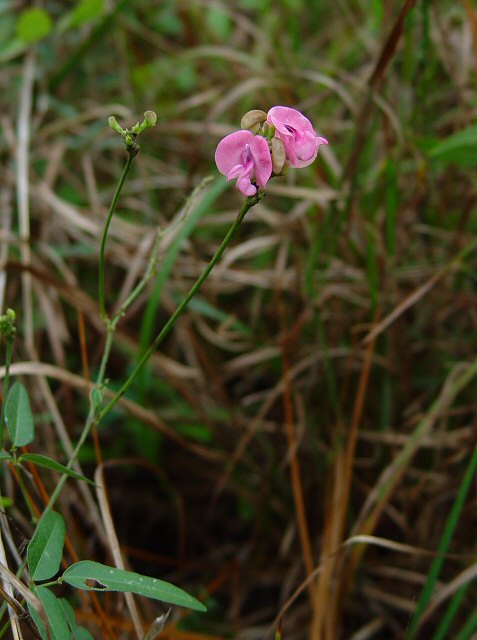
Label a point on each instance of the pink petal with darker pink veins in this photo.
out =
(262, 160)
(288, 120)
(230, 151)
(297, 134)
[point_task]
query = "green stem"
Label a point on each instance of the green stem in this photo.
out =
(93, 417)
(113, 323)
(61, 483)
(139, 288)
(132, 152)
(105, 356)
(248, 204)
(90, 420)
(6, 384)
(33, 516)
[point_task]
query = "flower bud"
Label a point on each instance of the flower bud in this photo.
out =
(150, 117)
(7, 325)
(252, 120)
(150, 120)
(113, 123)
(279, 156)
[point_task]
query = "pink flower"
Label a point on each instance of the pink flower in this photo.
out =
(297, 134)
(242, 155)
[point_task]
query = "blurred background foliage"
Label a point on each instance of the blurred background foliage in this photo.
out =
(323, 350)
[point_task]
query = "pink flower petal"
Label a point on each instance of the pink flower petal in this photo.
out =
(235, 172)
(283, 117)
(297, 134)
(262, 160)
(246, 187)
(229, 150)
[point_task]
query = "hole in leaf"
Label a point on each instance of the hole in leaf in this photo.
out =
(94, 584)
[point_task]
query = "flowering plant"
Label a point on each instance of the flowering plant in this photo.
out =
(266, 145)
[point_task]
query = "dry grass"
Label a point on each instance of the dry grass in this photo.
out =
(318, 389)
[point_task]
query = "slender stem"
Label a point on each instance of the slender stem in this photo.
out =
(127, 167)
(105, 356)
(90, 421)
(6, 384)
(150, 272)
(248, 204)
(93, 417)
(26, 497)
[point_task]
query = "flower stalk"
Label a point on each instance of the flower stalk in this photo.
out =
(247, 205)
(265, 147)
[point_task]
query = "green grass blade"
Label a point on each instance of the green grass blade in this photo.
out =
(468, 630)
(443, 546)
(445, 623)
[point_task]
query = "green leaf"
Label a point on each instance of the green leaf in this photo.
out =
(33, 25)
(69, 612)
(55, 614)
(46, 462)
(11, 49)
(37, 620)
(5, 502)
(93, 576)
(46, 547)
(19, 416)
(78, 633)
(460, 147)
(167, 20)
(85, 11)
(4, 455)
(10, 44)
(198, 432)
(82, 634)
(218, 22)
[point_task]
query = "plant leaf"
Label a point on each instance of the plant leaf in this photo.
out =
(460, 147)
(37, 620)
(46, 462)
(104, 578)
(78, 633)
(19, 416)
(33, 25)
(82, 634)
(55, 614)
(86, 10)
(46, 547)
